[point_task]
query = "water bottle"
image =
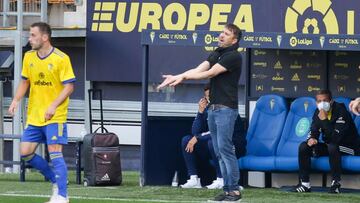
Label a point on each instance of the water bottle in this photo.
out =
(83, 132)
(175, 181)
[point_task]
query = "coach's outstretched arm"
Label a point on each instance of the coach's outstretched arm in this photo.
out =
(172, 80)
(198, 73)
(20, 92)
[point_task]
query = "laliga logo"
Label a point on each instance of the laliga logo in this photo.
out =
(299, 7)
(300, 41)
(293, 41)
(208, 39)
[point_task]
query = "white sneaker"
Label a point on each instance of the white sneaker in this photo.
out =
(55, 191)
(217, 184)
(192, 183)
(58, 199)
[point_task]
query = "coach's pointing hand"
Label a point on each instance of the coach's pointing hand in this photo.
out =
(171, 80)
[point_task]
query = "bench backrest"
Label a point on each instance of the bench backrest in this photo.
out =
(297, 126)
(266, 125)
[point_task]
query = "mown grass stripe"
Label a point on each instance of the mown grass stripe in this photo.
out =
(98, 198)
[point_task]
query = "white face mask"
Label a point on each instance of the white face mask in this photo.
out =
(323, 105)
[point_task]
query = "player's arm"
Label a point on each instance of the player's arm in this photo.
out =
(65, 93)
(20, 93)
(172, 80)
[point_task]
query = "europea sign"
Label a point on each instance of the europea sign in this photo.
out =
(290, 16)
(173, 16)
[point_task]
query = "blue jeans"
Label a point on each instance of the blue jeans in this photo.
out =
(221, 123)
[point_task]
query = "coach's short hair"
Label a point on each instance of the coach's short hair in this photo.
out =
(235, 30)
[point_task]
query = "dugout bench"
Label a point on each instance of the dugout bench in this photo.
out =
(275, 134)
(78, 168)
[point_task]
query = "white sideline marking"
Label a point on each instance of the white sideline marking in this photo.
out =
(99, 198)
(86, 188)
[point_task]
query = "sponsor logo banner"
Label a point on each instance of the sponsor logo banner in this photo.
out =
(114, 27)
(301, 41)
(180, 38)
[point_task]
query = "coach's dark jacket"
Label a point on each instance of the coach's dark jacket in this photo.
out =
(340, 129)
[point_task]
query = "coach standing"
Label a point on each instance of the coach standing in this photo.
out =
(223, 68)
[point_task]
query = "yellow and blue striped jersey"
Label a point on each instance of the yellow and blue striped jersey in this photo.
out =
(47, 77)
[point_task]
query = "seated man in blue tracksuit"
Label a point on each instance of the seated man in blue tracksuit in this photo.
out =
(199, 146)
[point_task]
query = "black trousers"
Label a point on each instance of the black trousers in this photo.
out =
(320, 149)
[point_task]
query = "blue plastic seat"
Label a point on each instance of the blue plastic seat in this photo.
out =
(264, 133)
(321, 163)
(352, 163)
(357, 123)
(296, 129)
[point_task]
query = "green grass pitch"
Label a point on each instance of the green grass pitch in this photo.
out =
(36, 190)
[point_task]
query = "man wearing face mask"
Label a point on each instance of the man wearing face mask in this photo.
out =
(334, 123)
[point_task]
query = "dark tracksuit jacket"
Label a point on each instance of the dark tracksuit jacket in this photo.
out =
(339, 130)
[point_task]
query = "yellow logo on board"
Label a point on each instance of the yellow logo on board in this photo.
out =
(278, 65)
(299, 7)
(132, 16)
(102, 16)
(295, 77)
